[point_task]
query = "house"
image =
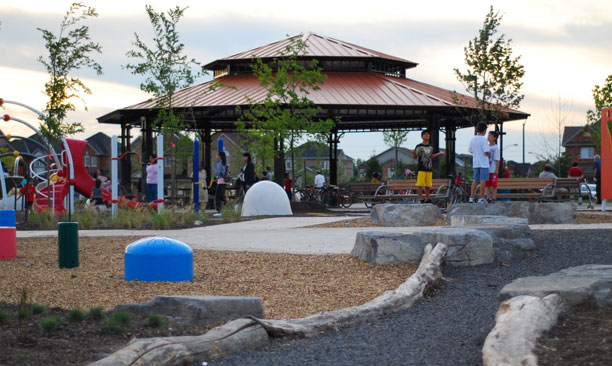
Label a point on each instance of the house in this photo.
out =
(386, 159)
(577, 141)
(98, 154)
(311, 157)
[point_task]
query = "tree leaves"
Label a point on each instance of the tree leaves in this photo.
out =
(602, 97)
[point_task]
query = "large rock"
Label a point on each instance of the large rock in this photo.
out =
(398, 215)
(576, 285)
(384, 248)
(534, 212)
(199, 309)
(466, 247)
(511, 241)
(471, 220)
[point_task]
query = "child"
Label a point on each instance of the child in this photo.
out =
(479, 148)
(491, 184)
(96, 193)
(30, 192)
(424, 154)
(288, 182)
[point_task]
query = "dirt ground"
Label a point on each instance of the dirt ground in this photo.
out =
(593, 217)
(581, 337)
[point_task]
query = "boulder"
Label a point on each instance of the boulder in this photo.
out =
(398, 215)
(199, 309)
(576, 285)
(384, 248)
(470, 220)
(466, 247)
(534, 212)
(509, 241)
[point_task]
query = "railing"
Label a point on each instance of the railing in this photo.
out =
(44, 182)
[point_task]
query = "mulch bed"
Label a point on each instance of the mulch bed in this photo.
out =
(73, 343)
(593, 217)
(581, 337)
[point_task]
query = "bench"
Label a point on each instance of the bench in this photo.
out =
(363, 191)
(406, 190)
(525, 188)
(569, 189)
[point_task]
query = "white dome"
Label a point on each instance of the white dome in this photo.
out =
(266, 198)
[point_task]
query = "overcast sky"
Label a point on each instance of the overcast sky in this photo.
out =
(563, 44)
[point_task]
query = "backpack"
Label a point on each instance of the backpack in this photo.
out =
(227, 176)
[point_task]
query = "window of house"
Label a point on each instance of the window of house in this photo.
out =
(288, 165)
(587, 152)
(326, 164)
(87, 160)
(94, 161)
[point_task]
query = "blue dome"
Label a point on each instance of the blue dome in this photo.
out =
(158, 246)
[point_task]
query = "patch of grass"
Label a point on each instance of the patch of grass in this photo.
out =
(117, 323)
(161, 221)
(86, 218)
(45, 219)
(95, 312)
(231, 212)
(203, 217)
(155, 321)
(39, 309)
(51, 323)
(4, 317)
(76, 315)
(25, 312)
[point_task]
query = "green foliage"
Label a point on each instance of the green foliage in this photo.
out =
(231, 212)
(95, 312)
(493, 75)
(602, 97)
(162, 221)
(4, 317)
(286, 113)
(372, 166)
(395, 139)
(117, 323)
(155, 321)
(560, 164)
(68, 51)
(51, 323)
(45, 219)
(76, 315)
(24, 310)
(39, 309)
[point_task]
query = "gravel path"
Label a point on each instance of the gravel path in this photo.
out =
(449, 328)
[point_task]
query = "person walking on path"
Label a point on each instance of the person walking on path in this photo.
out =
(479, 148)
(424, 153)
(220, 171)
(491, 184)
(575, 172)
(248, 171)
(597, 177)
(152, 179)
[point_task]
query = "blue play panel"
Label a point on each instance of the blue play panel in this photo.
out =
(7, 218)
(158, 259)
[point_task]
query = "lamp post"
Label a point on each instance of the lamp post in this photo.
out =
(523, 166)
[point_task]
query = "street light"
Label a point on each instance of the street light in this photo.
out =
(523, 166)
(510, 146)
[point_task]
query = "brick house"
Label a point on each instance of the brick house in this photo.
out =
(579, 143)
(386, 159)
(98, 153)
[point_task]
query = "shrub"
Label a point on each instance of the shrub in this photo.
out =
(76, 315)
(118, 322)
(25, 311)
(155, 321)
(96, 312)
(3, 316)
(161, 221)
(45, 219)
(51, 323)
(39, 309)
(231, 212)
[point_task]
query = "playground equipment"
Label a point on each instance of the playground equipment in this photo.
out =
(158, 259)
(266, 198)
(8, 235)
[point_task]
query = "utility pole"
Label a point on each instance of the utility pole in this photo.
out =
(523, 166)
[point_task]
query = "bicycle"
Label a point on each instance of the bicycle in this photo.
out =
(455, 193)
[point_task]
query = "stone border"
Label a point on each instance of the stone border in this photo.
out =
(248, 333)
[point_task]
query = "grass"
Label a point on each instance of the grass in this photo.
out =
(117, 323)
(3, 316)
(231, 212)
(45, 219)
(155, 321)
(76, 315)
(39, 309)
(51, 323)
(96, 312)
(25, 311)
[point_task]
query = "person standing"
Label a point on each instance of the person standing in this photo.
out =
(288, 183)
(96, 193)
(268, 174)
(547, 172)
(29, 191)
(220, 171)
(479, 148)
(424, 153)
(597, 177)
(319, 180)
(248, 171)
(575, 172)
(491, 183)
(151, 179)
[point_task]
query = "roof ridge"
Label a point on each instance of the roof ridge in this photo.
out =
(386, 77)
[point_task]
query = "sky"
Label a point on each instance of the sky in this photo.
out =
(564, 46)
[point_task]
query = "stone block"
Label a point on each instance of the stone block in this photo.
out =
(384, 248)
(199, 309)
(470, 220)
(534, 212)
(466, 247)
(398, 215)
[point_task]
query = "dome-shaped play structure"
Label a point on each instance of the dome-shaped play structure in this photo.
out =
(266, 198)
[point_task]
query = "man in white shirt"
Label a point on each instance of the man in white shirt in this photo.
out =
(479, 148)
(319, 180)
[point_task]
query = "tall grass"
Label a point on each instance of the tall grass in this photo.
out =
(231, 212)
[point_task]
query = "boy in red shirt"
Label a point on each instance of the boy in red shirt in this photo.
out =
(30, 192)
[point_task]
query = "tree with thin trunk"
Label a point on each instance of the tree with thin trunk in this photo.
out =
(68, 51)
(558, 118)
(395, 139)
(602, 97)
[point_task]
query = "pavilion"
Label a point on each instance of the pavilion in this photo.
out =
(365, 90)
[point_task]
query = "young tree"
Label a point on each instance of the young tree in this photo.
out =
(286, 113)
(166, 70)
(69, 50)
(372, 166)
(602, 97)
(557, 119)
(395, 139)
(493, 75)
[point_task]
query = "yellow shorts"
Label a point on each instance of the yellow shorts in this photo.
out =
(424, 179)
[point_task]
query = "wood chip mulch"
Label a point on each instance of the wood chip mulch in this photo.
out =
(289, 285)
(593, 217)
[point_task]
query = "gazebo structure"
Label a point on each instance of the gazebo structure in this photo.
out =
(365, 90)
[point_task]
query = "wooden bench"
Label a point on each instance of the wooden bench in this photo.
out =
(525, 188)
(363, 189)
(406, 190)
(569, 189)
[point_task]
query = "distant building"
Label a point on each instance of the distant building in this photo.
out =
(98, 154)
(312, 156)
(580, 144)
(386, 159)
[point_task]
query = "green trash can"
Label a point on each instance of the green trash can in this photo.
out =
(68, 244)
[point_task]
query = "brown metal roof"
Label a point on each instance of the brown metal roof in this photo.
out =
(317, 46)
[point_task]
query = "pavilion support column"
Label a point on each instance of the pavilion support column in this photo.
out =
(207, 137)
(501, 147)
(434, 129)
(333, 157)
(279, 162)
(450, 150)
(147, 150)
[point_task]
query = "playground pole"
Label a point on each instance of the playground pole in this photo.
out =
(160, 173)
(196, 175)
(114, 176)
(70, 180)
